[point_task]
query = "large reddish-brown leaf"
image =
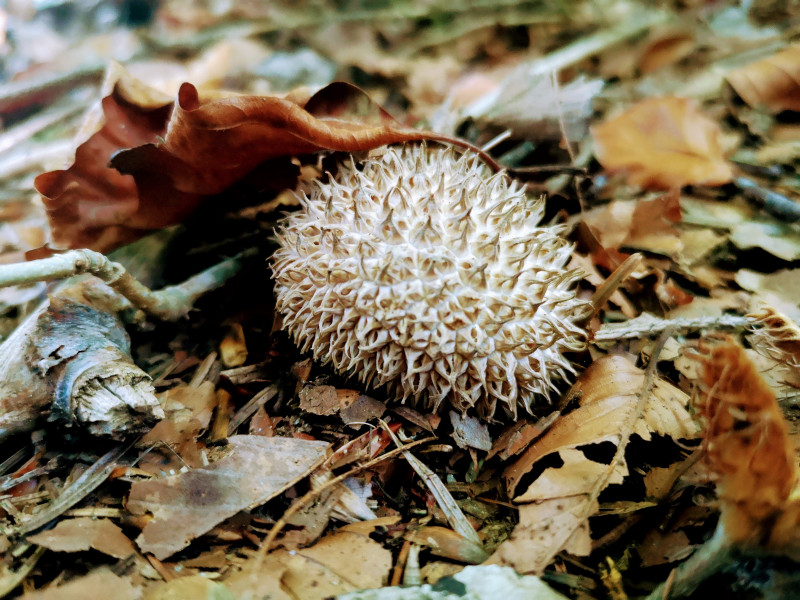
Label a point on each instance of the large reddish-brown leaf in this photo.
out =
(772, 83)
(90, 204)
(168, 159)
(662, 143)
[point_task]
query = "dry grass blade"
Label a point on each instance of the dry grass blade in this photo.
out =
(11, 579)
(443, 496)
(76, 491)
(303, 501)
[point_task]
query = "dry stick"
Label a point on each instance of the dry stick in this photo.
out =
(773, 202)
(33, 156)
(308, 497)
(400, 564)
(649, 326)
(251, 407)
(707, 560)
(18, 93)
(19, 134)
(612, 283)
(170, 303)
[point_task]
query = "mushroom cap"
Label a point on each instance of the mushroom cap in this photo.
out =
(424, 270)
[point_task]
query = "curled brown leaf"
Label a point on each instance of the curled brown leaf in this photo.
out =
(150, 162)
(772, 83)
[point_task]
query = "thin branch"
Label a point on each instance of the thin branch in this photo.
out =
(647, 325)
(170, 303)
(707, 560)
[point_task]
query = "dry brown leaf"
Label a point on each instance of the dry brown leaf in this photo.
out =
(91, 204)
(558, 504)
(187, 505)
(772, 83)
(112, 586)
(188, 412)
(642, 224)
(345, 561)
(661, 143)
(749, 450)
(608, 391)
(658, 548)
(319, 399)
(75, 535)
(667, 48)
(448, 544)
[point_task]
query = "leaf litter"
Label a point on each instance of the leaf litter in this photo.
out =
(271, 475)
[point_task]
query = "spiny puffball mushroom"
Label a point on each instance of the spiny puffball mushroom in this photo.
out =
(423, 269)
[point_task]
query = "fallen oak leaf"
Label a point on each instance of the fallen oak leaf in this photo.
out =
(555, 510)
(661, 143)
(90, 204)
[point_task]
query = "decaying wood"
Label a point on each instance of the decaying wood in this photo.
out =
(71, 357)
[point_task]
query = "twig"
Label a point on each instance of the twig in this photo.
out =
(19, 93)
(21, 133)
(612, 283)
(400, 564)
(251, 407)
(33, 156)
(308, 497)
(11, 579)
(590, 45)
(647, 325)
(773, 202)
(170, 303)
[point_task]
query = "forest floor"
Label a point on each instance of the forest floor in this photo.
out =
(198, 452)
